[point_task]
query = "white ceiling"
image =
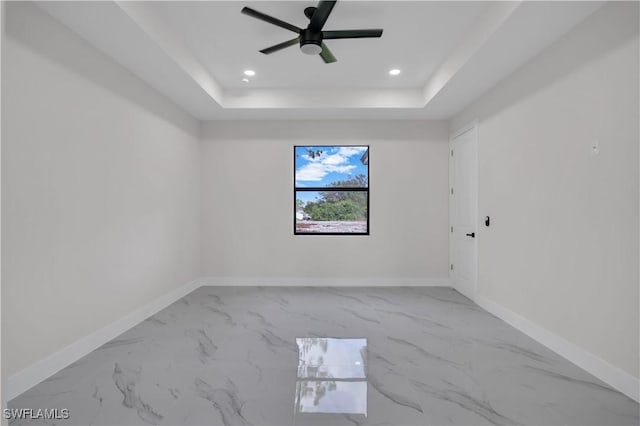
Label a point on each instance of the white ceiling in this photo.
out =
(195, 53)
(228, 46)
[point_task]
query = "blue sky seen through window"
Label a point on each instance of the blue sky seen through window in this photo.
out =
(320, 166)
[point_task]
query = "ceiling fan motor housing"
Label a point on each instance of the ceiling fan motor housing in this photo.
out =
(310, 41)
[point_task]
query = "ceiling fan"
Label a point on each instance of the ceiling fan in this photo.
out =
(311, 39)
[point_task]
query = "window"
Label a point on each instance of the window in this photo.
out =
(331, 190)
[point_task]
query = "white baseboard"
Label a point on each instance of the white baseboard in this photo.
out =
(39, 371)
(613, 376)
(325, 282)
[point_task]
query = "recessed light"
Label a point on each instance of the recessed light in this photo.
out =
(394, 71)
(249, 73)
(246, 80)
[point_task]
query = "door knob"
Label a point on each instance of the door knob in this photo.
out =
(472, 235)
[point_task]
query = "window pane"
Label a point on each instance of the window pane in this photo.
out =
(331, 212)
(326, 166)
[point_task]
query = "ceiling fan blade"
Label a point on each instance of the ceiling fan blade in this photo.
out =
(281, 46)
(328, 35)
(326, 55)
(320, 15)
(270, 19)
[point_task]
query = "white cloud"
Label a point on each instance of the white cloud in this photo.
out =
(340, 169)
(334, 159)
(337, 162)
(348, 151)
(311, 172)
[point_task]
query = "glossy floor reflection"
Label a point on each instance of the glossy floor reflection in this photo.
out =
(288, 356)
(331, 376)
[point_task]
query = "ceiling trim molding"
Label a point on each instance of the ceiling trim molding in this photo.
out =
(323, 98)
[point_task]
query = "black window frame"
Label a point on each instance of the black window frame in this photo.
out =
(332, 189)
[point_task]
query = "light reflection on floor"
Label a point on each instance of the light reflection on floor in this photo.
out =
(331, 376)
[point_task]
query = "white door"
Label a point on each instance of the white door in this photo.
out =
(463, 193)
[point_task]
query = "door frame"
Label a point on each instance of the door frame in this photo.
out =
(469, 127)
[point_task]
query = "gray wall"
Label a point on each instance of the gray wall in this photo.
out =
(247, 199)
(100, 187)
(562, 250)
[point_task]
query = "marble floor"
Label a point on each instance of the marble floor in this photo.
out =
(326, 356)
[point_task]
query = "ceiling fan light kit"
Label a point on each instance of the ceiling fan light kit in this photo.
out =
(311, 39)
(310, 42)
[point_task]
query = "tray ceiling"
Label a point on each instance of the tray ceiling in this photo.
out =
(449, 53)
